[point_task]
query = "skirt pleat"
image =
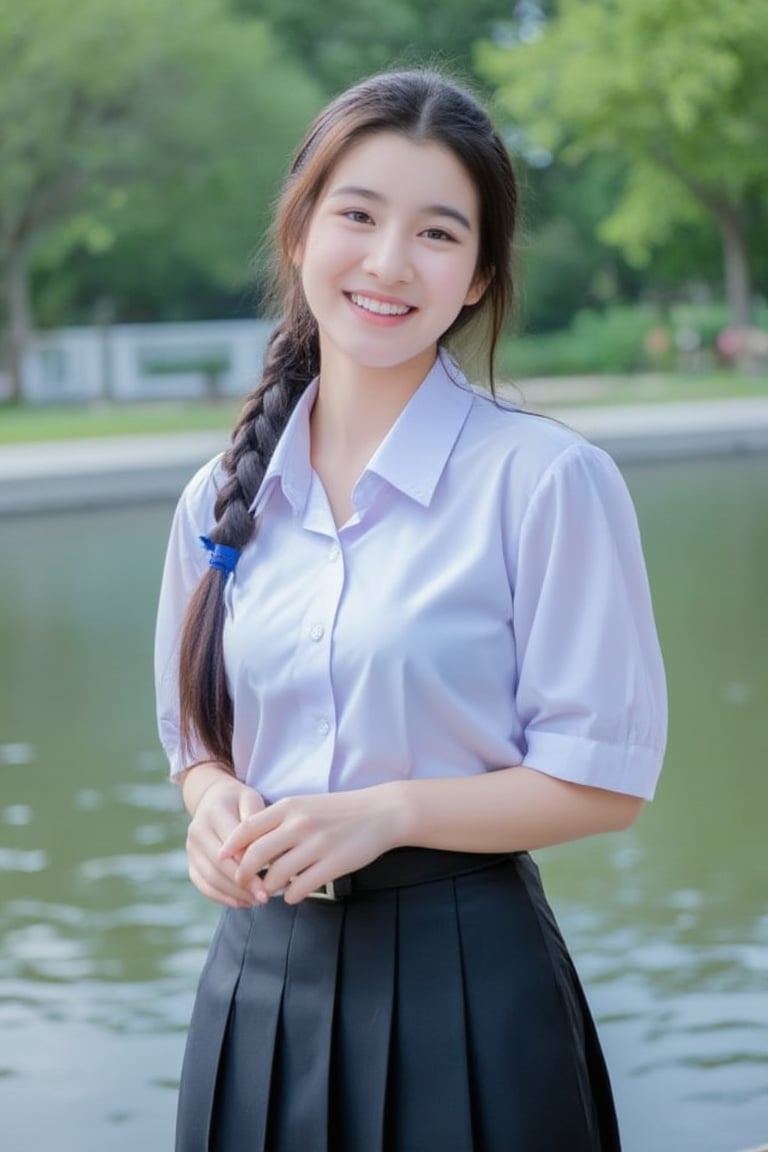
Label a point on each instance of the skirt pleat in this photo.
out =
(227, 1071)
(593, 1078)
(366, 992)
(442, 1017)
(244, 1086)
(298, 1116)
(527, 1050)
(431, 1105)
(210, 1017)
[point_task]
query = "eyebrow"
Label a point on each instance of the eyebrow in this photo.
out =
(428, 210)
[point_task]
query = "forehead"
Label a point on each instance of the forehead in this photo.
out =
(411, 173)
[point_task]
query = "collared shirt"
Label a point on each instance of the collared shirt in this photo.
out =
(486, 605)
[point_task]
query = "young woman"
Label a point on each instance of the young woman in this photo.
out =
(404, 637)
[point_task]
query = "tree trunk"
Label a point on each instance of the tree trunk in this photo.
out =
(17, 295)
(738, 287)
(730, 222)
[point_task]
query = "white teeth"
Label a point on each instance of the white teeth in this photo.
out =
(379, 306)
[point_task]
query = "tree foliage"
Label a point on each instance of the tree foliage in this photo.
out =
(163, 122)
(679, 89)
(339, 41)
(563, 265)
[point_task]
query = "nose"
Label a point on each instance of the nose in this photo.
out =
(388, 257)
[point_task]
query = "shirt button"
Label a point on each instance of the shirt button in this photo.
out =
(323, 726)
(317, 631)
(333, 553)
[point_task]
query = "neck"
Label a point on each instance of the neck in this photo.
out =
(356, 407)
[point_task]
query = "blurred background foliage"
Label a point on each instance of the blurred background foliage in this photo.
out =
(142, 143)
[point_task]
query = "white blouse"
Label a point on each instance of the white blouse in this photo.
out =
(486, 605)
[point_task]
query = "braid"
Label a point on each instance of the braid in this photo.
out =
(206, 707)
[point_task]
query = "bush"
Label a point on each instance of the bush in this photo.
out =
(622, 339)
(610, 341)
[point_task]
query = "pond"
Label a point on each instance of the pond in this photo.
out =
(102, 937)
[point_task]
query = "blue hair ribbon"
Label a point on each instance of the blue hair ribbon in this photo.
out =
(222, 556)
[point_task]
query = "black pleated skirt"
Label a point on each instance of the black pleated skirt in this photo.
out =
(442, 1017)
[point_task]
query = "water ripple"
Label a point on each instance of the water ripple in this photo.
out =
(23, 860)
(16, 754)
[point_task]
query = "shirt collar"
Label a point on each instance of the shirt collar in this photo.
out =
(412, 455)
(290, 463)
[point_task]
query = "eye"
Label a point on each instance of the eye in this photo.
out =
(437, 234)
(357, 216)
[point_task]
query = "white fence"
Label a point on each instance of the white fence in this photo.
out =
(145, 361)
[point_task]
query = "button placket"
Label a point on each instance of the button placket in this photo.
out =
(319, 704)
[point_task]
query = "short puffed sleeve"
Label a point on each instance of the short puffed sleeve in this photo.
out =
(590, 692)
(185, 563)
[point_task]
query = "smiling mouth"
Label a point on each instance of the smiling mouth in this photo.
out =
(379, 307)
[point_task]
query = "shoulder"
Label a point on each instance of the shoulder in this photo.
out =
(526, 450)
(198, 498)
(535, 440)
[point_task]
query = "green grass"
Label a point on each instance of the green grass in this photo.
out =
(28, 423)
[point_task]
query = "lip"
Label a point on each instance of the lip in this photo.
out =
(380, 299)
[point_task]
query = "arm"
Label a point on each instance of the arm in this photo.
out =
(590, 696)
(515, 809)
(214, 798)
(308, 840)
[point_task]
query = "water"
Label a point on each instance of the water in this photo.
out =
(102, 936)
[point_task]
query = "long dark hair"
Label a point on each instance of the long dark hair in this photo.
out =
(425, 107)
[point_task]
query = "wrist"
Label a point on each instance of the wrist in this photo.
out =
(199, 780)
(396, 808)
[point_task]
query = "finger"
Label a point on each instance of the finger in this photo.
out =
(251, 828)
(207, 834)
(218, 875)
(221, 893)
(276, 851)
(225, 885)
(302, 883)
(215, 877)
(295, 865)
(202, 854)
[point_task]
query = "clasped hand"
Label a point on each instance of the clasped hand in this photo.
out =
(242, 852)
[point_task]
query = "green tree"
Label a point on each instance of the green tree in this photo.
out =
(338, 41)
(562, 265)
(169, 122)
(679, 90)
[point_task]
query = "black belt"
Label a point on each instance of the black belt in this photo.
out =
(403, 867)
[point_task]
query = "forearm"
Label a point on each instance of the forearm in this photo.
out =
(510, 810)
(304, 841)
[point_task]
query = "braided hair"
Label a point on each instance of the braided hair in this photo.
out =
(425, 107)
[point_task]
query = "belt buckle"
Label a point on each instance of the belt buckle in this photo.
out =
(324, 892)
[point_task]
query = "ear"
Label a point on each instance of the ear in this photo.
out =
(478, 287)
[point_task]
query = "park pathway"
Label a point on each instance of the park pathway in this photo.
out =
(47, 476)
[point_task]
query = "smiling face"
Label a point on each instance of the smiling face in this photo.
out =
(390, 255)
